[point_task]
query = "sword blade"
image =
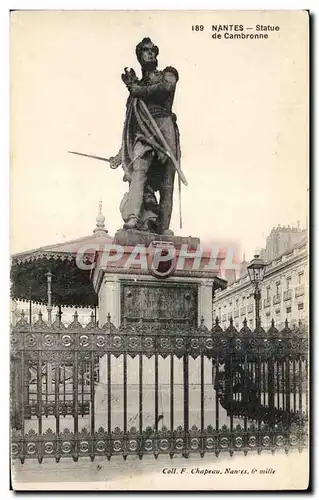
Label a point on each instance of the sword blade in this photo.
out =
(90, 156)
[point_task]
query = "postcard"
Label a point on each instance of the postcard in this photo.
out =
(159, 250)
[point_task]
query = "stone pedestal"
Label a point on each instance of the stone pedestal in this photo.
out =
(182, 300)
(134, 237)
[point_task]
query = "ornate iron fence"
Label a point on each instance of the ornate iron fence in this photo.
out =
(251, 388)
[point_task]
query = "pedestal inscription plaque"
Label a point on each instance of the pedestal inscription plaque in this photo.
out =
(160, 303)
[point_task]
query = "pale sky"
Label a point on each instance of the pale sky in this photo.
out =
(242, 112)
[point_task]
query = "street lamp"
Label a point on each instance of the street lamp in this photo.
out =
(256, 273)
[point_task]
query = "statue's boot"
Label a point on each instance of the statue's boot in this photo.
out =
(132, 223)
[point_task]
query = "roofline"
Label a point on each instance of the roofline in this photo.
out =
(51, 248)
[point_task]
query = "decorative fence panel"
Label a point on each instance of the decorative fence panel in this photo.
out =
(250, 391)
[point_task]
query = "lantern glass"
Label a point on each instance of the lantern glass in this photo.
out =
(256, 270)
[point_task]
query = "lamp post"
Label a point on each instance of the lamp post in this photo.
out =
(256, 272)
(49, 291)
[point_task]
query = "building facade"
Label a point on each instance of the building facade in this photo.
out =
(284, 293)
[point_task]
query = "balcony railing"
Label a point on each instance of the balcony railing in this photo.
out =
(287, 294)
(267, 302)
(276, 299)
(300, 290)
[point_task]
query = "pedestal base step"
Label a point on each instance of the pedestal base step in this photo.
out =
(133, 237)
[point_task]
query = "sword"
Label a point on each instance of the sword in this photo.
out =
(109, 160)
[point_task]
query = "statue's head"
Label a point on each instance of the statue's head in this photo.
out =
(146, 53)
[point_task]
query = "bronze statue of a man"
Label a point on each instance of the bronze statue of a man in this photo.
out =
(150, 152)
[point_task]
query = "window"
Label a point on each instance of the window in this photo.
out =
(288, 283)
(288, 314)
(268, 320)
(268, 292)
(300, 278)
(277, 319)
(278, 288)
(300, 311)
